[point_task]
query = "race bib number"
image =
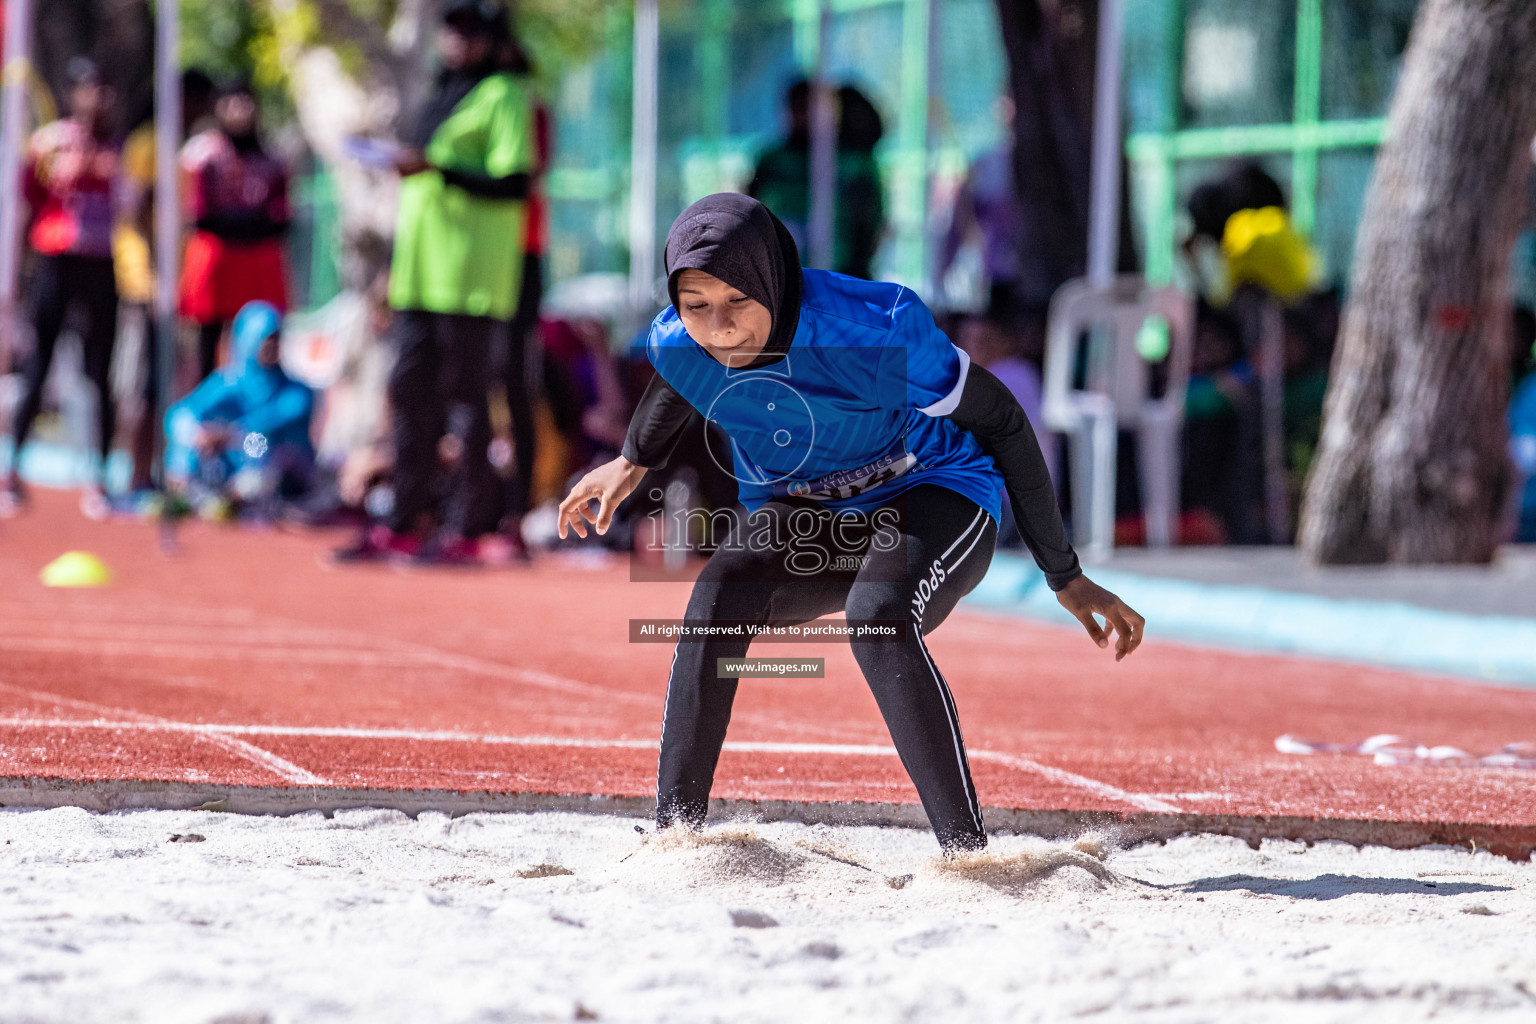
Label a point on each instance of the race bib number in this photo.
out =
(850, 483)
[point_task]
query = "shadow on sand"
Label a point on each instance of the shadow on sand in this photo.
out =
(1331, 887)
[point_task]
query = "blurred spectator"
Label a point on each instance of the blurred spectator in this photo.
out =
(586, 400)
(1310, 327)
(72, 177)
(338, 347)
(242, 435)
(134, 254)
(991, 345)
(1223, 474)
(1242, 234)
(782, 179)
(1019, 274)
(237, 199)
(519, 357)
(1220, 461)
(860, 195)
(1522, 427)
(1251, 433)
(455, 279)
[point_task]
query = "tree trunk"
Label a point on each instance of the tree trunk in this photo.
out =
(1412, 465)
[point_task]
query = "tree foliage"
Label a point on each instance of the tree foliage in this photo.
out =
(363, 67)
(240, 38)
(258, 37)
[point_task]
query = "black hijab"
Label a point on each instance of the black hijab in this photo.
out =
(738, 240)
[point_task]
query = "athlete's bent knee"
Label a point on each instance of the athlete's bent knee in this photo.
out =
(870, 601)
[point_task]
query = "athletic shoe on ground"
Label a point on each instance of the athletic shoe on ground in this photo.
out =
(517, 548)
(94, 504)
(450, 552)
(13, 497)
(376, 544)
(504, 548)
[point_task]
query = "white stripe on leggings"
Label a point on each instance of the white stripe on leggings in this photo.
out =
(666, 706)
(980, 513)
(950, 711)
(979, 525)
(974, 541)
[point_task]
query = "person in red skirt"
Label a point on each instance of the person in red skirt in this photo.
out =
(237, 201)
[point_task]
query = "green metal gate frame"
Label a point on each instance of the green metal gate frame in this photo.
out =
(1154, 154)
(904, 159)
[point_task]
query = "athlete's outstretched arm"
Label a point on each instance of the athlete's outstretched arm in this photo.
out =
(990, 412)
(654, 431)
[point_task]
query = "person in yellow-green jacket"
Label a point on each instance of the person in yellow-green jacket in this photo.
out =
(454, 281)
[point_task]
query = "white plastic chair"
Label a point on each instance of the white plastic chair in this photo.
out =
(1117, 394)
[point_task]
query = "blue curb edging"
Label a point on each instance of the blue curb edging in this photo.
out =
(1488, 648)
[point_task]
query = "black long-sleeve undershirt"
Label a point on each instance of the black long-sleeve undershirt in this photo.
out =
(987, 409)
(994, 417)
(657, 425)
(486, 186)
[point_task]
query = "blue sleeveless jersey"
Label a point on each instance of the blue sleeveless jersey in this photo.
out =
(856, 412)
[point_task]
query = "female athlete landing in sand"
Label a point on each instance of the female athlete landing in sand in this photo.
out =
(871, 456)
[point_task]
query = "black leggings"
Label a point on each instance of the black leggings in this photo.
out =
(520, 370)
(208, 337)
(789, 562)
(59, 283)
(441, 381)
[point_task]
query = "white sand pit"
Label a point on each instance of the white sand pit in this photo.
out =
(1029, 869)
(373, 916)
(729, 856)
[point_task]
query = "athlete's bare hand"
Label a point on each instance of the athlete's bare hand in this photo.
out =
(1085, 599)
(608, 485)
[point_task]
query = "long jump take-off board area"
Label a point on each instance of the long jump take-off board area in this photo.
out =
(243, 670)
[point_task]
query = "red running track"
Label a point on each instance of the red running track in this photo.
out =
(245, 662)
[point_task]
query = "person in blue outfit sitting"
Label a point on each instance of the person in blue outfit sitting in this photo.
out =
(242, 435)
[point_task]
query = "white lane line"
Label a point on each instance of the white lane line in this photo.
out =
(316, 656)
(405, 657)
(1058, 775)
(425, 735)
(206, 651)
(244, 633)
(140, 611)
(1145, 801)
(280, 767)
